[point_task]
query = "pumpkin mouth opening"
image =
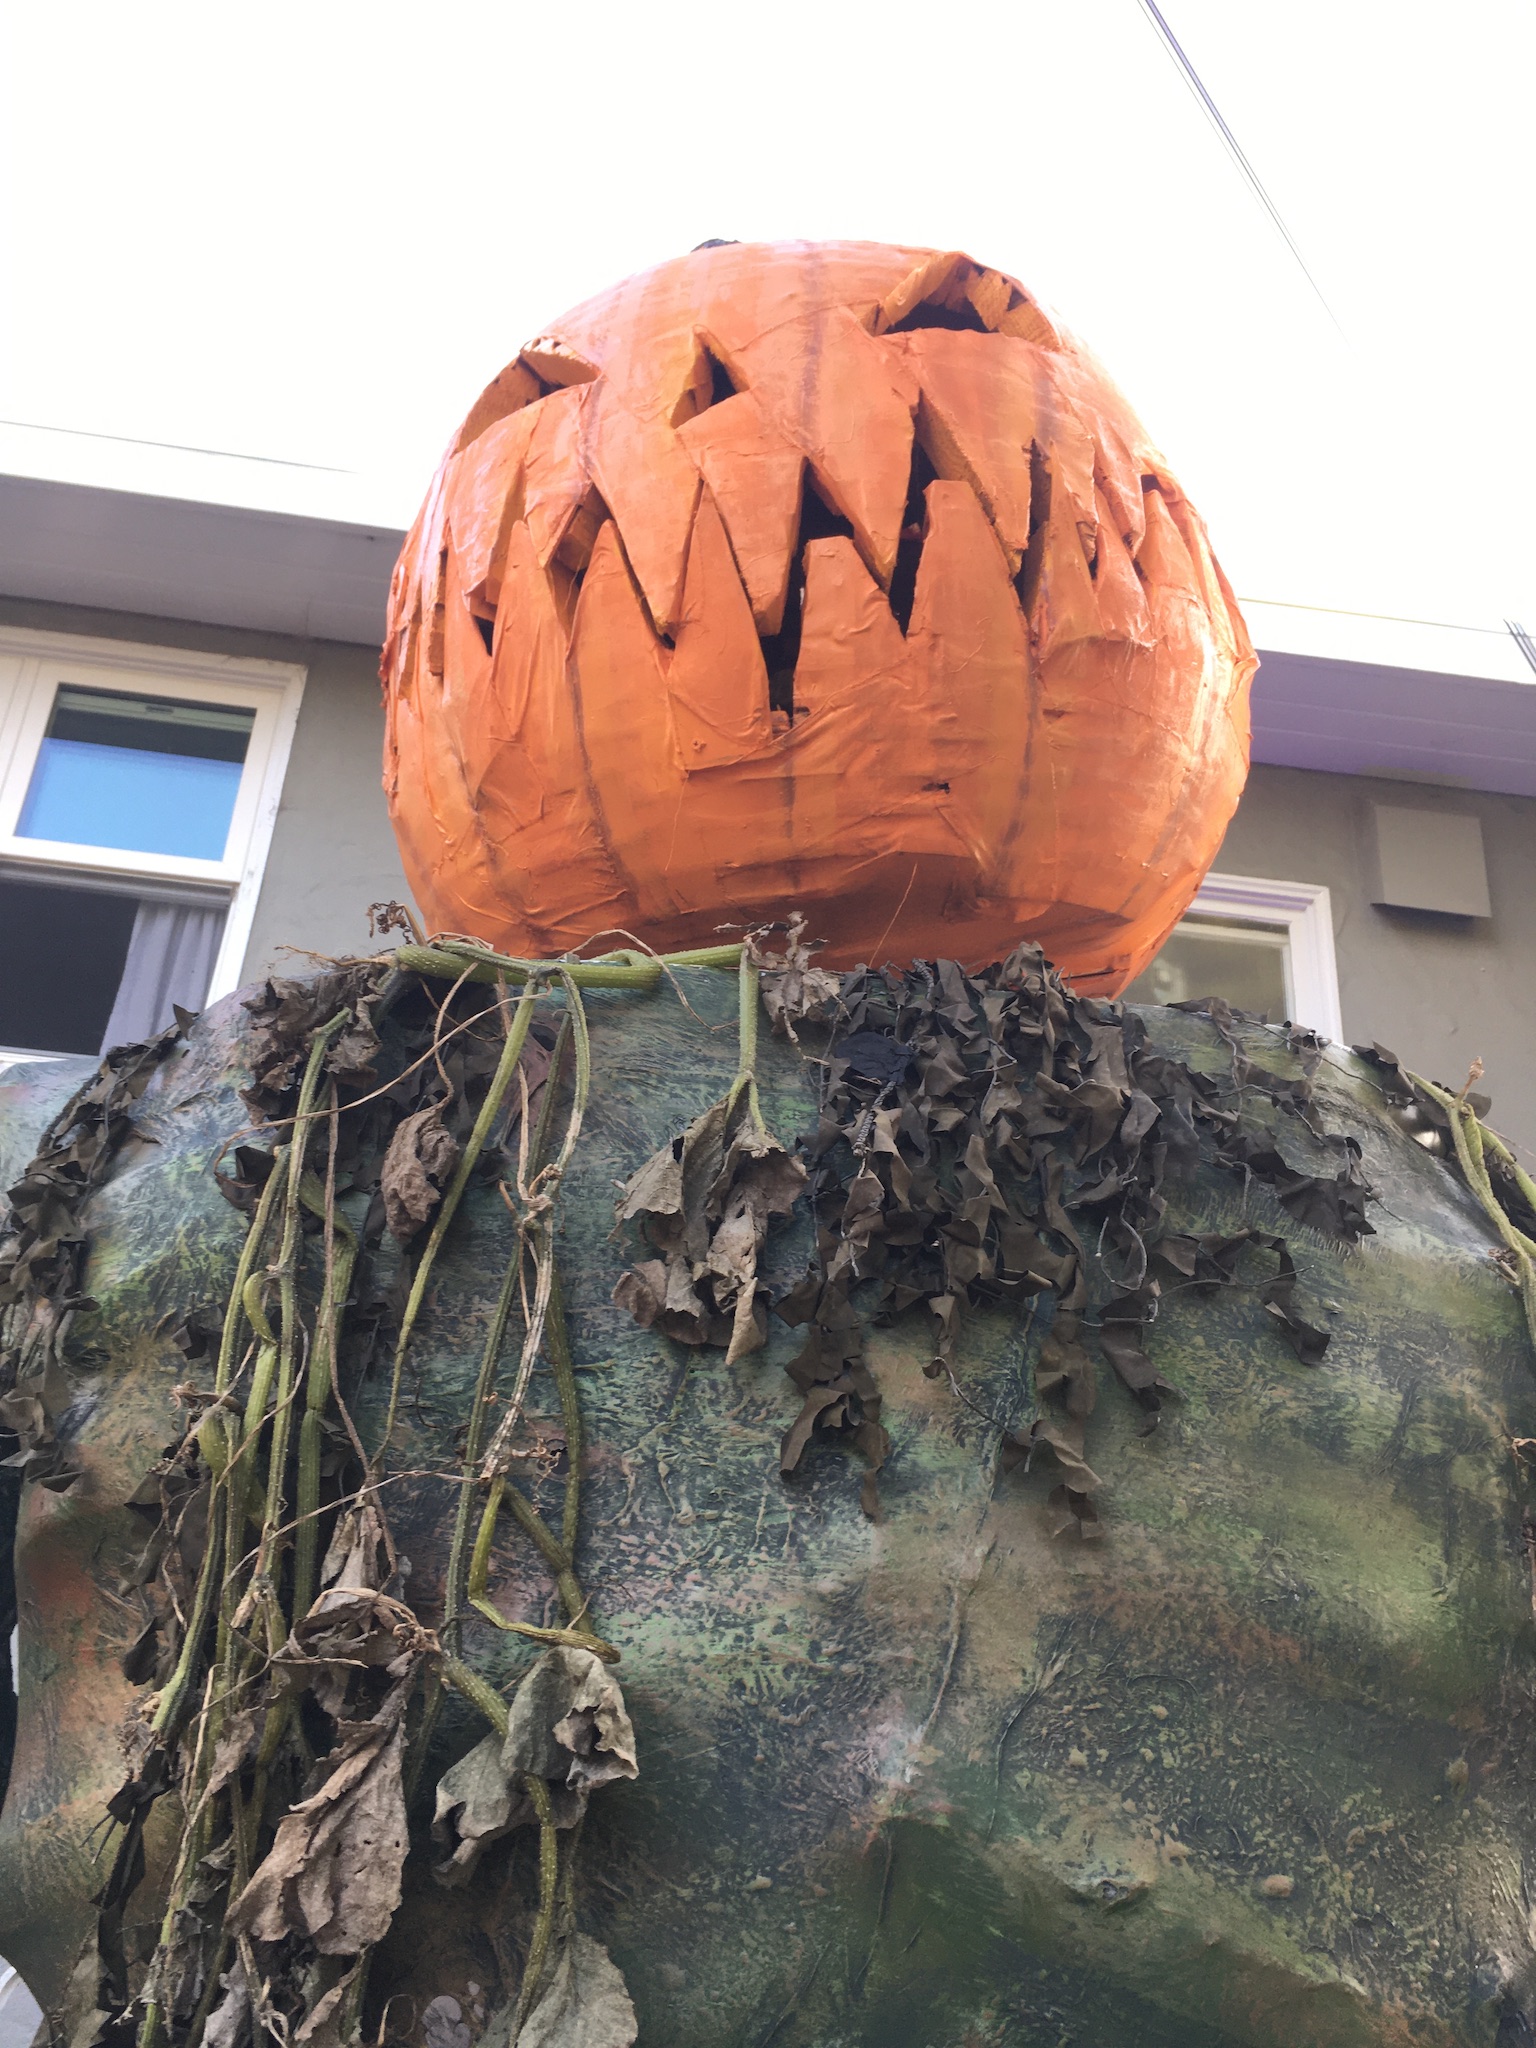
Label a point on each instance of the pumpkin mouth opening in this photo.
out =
(1027, 582)
(781, 650)
(818, 521)
(914, 520)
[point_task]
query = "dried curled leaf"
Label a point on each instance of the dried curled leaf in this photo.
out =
(704, 1202)
(584, 2002)
(475, 1806)
(350, 1631)
(43, 1247)
(419, 1164)
(333, 1872)
(794, 988)
(569, 1726)
(228, 2021)
(978, 1132)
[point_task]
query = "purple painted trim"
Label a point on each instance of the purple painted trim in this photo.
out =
(1352, 718)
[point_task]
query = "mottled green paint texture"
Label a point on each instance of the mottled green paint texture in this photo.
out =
(941, 1780)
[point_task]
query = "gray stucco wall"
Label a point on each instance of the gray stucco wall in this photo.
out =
(332, 851)
(1440, 991)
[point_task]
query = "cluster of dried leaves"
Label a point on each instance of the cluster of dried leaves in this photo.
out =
(42, 1253)
(704, 1203)
(293, 1686)
(985, 1137)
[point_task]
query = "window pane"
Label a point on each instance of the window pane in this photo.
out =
(1245, 964)
(67, 948)
(146, 774)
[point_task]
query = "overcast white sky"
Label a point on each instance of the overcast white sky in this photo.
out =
(312, 231)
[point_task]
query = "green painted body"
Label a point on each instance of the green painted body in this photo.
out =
(941, 1780)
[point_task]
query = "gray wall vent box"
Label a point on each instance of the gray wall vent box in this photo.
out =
(1429, 860)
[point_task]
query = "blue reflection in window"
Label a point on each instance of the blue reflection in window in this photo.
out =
(143, 774)
(142, 802)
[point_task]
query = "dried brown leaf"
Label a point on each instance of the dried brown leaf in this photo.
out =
(568, 1723)
(704, 1202)
(420, 1161)
(583, 2004)
(477, 1803)
(333, 1873)
(793, 987)
(569, 1726)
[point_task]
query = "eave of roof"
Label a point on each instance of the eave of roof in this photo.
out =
(219, 565)
(1445, 707)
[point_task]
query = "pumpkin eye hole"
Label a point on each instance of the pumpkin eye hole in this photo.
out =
(709, 383)
(721, 384)
(963, 318)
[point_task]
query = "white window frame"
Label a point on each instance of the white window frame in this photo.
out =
(1304, 910)
(33, 665)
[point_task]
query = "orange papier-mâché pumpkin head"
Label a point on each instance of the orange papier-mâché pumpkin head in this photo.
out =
(830, 577)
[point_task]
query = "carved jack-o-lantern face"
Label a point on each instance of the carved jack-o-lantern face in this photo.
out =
(820, 576)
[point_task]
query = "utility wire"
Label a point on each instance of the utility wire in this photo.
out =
(176, 447)
(1232, 146)
(1522, 640)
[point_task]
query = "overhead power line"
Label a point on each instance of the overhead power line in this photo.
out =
(1522, 640)
(1232, 146)
(176, 447)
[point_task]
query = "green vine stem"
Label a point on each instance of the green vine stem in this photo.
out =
(570, 1410)
(167, 1716)
(289, 1367)
(472, 1687)
(288, 1292)
(455, 1583)
(243, 1272)
(232, 1485)
(485, 1383)
(455, 960)
(546, 1323)
(549, 1878)
(1471, 1137)
(490, 1109)
(571, 1596)
(317, 1394)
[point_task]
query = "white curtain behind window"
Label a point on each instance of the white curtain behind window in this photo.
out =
(170, 961)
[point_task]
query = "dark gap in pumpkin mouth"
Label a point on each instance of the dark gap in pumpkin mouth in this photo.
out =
(781, 650)
(486, 629)
(567, 567)
(909, 548)
(929, 313)
(1027, 582)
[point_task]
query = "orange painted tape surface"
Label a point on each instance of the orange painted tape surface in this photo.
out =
(820, 576)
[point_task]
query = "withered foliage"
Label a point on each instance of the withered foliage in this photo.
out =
(568, 1727)
(1424, 1116)
(704, 1203)
(289, 1677)
(43, 1246)
(989, 1137)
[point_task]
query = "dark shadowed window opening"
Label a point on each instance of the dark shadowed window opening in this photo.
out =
(91, 966)
(65, 951)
